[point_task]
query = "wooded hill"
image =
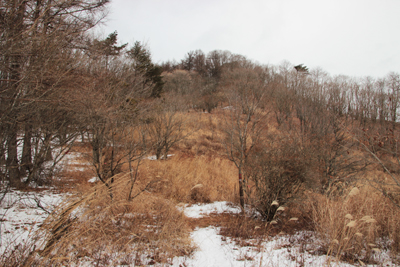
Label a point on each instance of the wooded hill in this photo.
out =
(282, 134)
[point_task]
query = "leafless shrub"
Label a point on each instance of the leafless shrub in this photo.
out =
(276, 174)
(167, 125)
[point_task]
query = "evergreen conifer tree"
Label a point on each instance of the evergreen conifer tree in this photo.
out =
(142, 63)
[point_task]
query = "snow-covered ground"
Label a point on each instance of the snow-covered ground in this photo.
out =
(21, 216)
(216, 250)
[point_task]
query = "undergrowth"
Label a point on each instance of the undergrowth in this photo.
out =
(193, 180)
(103, 227)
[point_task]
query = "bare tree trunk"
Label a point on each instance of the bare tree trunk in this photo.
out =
(241, 190)
(26, 160)
(12, 157)
(15, 30)
(158, 152)
(243, 124)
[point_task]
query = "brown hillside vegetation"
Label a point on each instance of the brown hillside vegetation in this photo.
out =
(353, 219)
(295, 149)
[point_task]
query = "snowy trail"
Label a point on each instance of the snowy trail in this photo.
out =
(212, 251)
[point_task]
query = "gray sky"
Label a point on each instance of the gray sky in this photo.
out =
(351, 37)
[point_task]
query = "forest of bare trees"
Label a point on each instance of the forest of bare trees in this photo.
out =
(58, 84)
(326, 120)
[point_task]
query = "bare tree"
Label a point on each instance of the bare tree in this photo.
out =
(199, 63)
(167, 125)
(393, 81)
(283, 104)
(215, 62)
(179, 82)
(244, 122)
(38, 43)
(188, 61)
(383, 149)
(111, 115)
(381, 99)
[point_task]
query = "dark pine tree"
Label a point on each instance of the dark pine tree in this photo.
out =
(142, 63)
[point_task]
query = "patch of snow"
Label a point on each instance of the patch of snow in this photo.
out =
(74, 168)
(154, 157)
(213, 250)
(73, 158)
(201, 210)
(94, 179)
(21, 216)
(228, 107)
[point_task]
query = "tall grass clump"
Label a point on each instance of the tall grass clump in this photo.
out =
(107, 226)
(192, 180)
(356, 227)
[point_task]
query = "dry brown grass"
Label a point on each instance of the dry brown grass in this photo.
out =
(205, 138)
(70, 179)
(193, 179)
(242, 229)
(356, 227)
(98, 229)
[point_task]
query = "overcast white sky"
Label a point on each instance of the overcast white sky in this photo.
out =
(350, 37)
